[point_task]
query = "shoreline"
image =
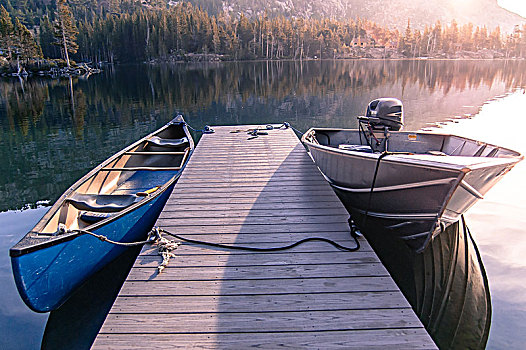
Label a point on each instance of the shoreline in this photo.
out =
(79, 71)
(375, 53)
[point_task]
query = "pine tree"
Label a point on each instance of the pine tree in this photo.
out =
(406, 43)
(6, 31)
(216, 41)
(25, 45)
(65, 31)
(47, 38)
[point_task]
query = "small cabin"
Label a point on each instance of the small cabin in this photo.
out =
(359, 42)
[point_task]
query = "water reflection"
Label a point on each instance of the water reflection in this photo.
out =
(22, 328)
(41, 123)
(76, 323)
(498, 221)
(446, 284)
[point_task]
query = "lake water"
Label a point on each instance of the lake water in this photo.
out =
(54, 131)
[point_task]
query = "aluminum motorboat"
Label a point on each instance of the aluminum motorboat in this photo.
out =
(414, 183)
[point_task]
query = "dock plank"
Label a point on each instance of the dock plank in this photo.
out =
(298, 321)
(399, 338)
(256, 272)
(259, 303)
(263, 192)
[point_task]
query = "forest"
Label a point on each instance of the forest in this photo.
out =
(130, 31)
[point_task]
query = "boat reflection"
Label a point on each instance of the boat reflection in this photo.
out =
(446, 284)
(76, 323)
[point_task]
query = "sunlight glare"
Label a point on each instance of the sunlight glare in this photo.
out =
(517, 6)
(498, 221)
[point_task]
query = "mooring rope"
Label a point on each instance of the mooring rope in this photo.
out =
(373, 183)
(103, 238)
(166, 247)
(205, 130)
(258, 131)
(259, 249)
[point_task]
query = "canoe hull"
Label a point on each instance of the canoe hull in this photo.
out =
(119, 199)
(46, 277)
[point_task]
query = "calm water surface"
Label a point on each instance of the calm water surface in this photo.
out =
(54, 131)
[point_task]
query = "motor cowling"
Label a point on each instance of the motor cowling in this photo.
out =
(385, 112)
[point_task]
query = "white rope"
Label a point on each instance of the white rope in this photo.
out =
(165, 247)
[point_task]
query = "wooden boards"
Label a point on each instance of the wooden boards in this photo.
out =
(260, 192)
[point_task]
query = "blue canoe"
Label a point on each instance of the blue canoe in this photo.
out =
(120, 199)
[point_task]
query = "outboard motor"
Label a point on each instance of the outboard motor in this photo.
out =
(384, 113)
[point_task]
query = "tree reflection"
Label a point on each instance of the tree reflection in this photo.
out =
(53, 131)
(23, 101)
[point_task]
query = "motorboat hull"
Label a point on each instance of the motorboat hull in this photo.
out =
(416, 196)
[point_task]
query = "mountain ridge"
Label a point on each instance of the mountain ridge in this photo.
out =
(394, 13)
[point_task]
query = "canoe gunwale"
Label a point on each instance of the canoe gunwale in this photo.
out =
(48, 239)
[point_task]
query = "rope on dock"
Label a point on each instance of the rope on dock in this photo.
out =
(258, 249)
(167, 246)
(255, 132)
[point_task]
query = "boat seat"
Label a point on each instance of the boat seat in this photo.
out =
(105, 203)
(356, 148)
(437, 153)
(91, 217)
(156, 140)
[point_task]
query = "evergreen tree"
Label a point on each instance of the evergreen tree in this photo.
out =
(216, 41)
(6, 32)
(406, 43)
(47, 38)
(25, 45)
(65, 31)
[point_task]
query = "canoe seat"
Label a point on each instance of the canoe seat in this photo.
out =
(105, 203)
(91, 217)
(156, 140)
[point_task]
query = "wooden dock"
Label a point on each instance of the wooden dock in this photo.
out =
(260, 192)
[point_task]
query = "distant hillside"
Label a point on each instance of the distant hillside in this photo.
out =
(393, 13)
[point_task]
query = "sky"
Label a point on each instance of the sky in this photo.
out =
(517, 6)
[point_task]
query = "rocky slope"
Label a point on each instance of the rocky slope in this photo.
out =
(393, 13)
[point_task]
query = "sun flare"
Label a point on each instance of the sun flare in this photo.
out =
(517, 6)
